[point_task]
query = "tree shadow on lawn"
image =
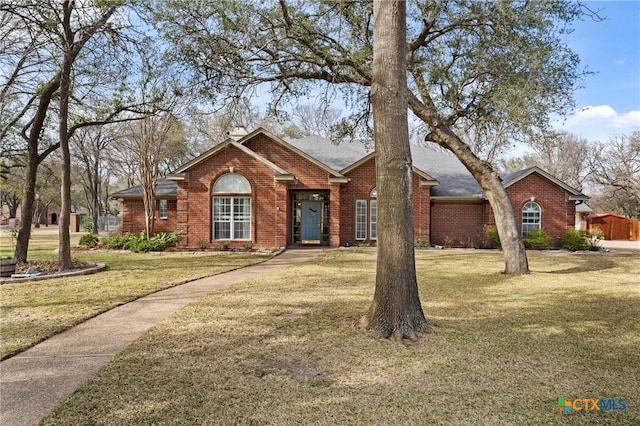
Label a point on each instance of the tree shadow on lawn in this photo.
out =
(587, 264)
(278, 364)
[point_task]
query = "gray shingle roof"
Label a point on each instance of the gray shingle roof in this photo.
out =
(454, 179)
(165, 188)
(338, 156)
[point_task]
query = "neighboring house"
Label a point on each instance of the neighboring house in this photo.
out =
(49, 216)
(273, 193)
(582, 211)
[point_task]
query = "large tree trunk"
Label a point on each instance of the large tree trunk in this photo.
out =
(64, 244)
(396, 310)
(31, 170)
(515, 255)
(26, 212)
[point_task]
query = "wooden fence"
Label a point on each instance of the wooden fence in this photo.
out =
(616, 228)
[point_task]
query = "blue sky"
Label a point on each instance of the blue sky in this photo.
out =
(609, 104)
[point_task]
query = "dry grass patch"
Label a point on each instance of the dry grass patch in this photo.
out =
(283, 348)
(32, 311)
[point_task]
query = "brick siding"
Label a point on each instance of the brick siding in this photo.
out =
(456, 224)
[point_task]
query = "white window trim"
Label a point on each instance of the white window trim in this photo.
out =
(361, 204)
(163, 212)
(539, 222)
(231, 220)
(373, 235)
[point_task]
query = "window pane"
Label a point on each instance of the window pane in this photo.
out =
(361, 219)
(241, 230)
(232, 183)
(221, 231)
(531, 213)
(163, 209)
(221, 208)
(232, 218)
(374, 219)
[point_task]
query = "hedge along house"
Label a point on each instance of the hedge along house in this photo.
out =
(271, 193)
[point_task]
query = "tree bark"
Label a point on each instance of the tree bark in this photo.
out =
(515, 255)
(31, 170)
(64, 244)
(396, 310)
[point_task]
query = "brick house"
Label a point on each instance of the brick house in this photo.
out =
(273, 193)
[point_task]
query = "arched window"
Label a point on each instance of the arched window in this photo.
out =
(531, 215)
(231, 208)
(232, 183)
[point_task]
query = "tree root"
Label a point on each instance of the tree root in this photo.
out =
(400, 332)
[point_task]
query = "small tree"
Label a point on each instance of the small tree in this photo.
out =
(151, 141)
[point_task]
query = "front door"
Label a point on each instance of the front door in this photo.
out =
(310, 222)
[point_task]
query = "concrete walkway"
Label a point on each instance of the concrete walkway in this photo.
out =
(37, 380)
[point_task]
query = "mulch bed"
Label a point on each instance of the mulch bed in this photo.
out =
(47, 267)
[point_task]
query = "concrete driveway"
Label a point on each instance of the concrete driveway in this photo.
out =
(618, 245)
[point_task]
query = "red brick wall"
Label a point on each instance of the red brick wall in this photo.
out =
(309, 177)
(558, 212)
(363, 180)
(133, 217)
(457, 224)
(443, 223)
(268, 200)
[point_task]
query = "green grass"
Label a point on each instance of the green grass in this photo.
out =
(32, 311)
(284, 348)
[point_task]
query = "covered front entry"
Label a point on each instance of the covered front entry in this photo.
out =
(311, 218)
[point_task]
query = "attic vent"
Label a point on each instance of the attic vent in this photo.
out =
(237, 133)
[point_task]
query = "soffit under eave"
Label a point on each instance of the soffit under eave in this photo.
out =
(427, 182)
(448, 198)
(180, 177)
(580, 197)
(130, 197)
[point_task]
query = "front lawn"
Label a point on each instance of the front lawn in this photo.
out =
(32, 311)
(284, 348)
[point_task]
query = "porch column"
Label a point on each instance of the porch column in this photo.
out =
(281, 223)
(182, 214)
(334, 216)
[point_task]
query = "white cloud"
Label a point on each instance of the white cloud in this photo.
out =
(600, 122)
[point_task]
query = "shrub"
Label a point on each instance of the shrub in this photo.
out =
(87, 223)
(594, 237)
(115, 242)
(168, 238)
(224, 245)
(536, 239)
(89, 240)
(139, 243)
(494, 238)
(574, 240)
(248, 245)
(421, 243)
